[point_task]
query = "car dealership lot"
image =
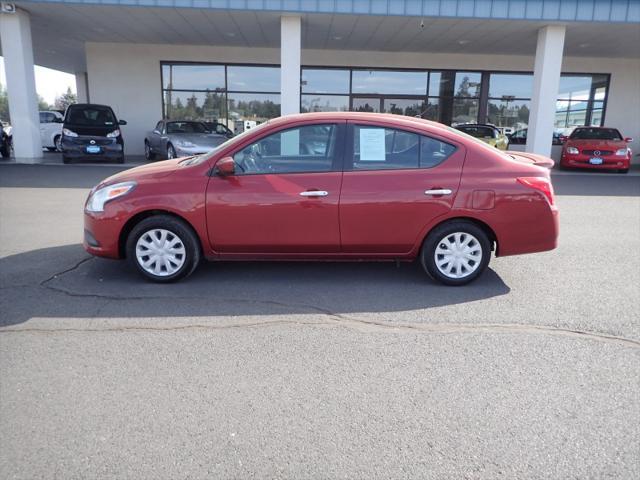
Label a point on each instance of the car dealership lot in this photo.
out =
(315, 370)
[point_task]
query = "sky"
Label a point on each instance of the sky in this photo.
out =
(49, 83)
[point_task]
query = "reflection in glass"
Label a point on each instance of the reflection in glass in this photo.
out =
(574, 87)
(202, 106)
(193, 77)
(570, 114)
(511, 85)
(366, 105)
(324, 103)
(596, 114)
(467, 84)
(509, 113)
(247, 110)
(255, 79)
(464, 111)
(400, 106)
(432, 110)
(388, 81)
(325, 81)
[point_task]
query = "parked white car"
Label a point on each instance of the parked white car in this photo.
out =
(51, 130)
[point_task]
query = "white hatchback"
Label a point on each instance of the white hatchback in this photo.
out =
(51, 130)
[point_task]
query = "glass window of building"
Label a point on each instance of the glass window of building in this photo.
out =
(329, 81)
(253, 79)
(324, 103)
(389, 82)
(516, 85)
(193, 77)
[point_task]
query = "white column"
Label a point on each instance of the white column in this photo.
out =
(15, 35)
(82, 87)
(290, 47)
(546, 82)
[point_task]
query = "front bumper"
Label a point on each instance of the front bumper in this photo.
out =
(81, 148)
(101, 234)
(583, 161)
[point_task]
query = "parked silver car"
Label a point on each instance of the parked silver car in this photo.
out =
(174, 139)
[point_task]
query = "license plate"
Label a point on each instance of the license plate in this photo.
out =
(596, 161)
(93, 149)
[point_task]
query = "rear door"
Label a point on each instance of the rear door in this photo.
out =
(284, 196)
(395, 182)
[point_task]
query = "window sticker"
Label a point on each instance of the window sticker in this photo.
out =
(372, 145)
(290, 143)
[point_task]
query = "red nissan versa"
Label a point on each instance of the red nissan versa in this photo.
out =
(596, 147)
(329, 186)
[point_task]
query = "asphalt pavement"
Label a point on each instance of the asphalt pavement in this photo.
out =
(318, 370)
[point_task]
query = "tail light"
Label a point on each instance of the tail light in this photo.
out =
(541, 184)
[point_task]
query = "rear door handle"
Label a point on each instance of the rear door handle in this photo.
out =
(438, 191)
(314, 193)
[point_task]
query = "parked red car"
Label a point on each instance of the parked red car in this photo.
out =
(596, 148)
(329, 186)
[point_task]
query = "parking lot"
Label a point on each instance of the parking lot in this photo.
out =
(318, 370)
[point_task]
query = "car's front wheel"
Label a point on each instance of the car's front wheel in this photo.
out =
(171, 152)
(456, 252)
(148, 154)
(163, 248)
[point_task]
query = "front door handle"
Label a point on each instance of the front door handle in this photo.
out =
(438, 191)
(314, 193)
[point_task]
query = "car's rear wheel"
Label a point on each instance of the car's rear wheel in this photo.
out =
(171, 152)
(456, 252)
(148, 154)
(163, 248)
(65, 159)
(58, 143)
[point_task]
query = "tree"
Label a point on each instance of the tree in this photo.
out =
(66, 99)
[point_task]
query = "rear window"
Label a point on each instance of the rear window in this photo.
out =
(94, 116)
(478, 131)
(596, 134)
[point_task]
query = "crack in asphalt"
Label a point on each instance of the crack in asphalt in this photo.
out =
(334, 319)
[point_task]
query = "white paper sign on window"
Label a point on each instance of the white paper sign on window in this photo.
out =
(372, 146)
(290, 143)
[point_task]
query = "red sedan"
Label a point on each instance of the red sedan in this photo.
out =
(596, 148)
(329, 186)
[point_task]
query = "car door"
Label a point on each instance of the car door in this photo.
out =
(284, 196)
(395, 183)
(154, 137)
(46, 123)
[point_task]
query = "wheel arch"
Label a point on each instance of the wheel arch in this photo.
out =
(486, 228)
(138, 217)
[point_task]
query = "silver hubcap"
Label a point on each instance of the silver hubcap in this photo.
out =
(458, 255)
(170, 153)
(160, 252)
(58, 144)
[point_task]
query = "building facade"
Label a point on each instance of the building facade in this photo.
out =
(522, 65)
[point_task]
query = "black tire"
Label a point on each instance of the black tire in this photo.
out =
(58, 143)
(623, 170)
(148, 154)
(65, 159)
(51, 149)
(179, 229)
(120, 159)
(445, 232)
(171, 152)
(5, 151)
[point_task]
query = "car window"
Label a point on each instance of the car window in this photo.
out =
(159, 127)
(596, 134)
(377, 148)
(305, 149)
(92, 115)
(47, 117)
(186, 127)
(221, 129)
(478, 131)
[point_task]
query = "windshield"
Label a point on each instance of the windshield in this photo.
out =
(477, 131)
(91, 115)
(186, 127)
(596, 134)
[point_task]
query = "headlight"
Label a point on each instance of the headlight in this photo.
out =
(185, 143)
(622, 152)
(97, 199)
(115, 133)
(572, 151)
(69, 133)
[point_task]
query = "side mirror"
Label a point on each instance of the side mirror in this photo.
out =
(563, 138)
(58, 120)
(226, 167)
(628, 139)
(122, 122)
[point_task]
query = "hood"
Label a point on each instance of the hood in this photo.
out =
(594, 144)
(144, 172)
(199, 139)
(532, 159)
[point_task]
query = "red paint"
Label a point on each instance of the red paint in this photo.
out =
(381, 214)
(587, 149)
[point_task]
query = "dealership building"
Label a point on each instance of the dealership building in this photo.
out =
(543, 66)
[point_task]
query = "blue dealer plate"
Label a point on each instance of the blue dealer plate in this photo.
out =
(93, 149)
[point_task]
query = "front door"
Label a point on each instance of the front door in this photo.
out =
(395, 183)
(284, 196)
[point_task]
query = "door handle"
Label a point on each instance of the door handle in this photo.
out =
(438, 191)
(314, 193)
